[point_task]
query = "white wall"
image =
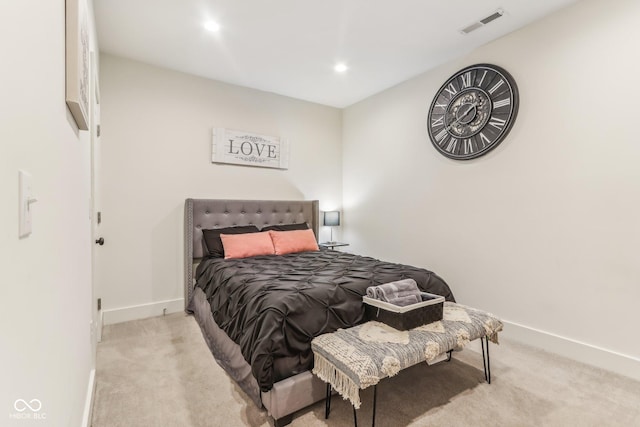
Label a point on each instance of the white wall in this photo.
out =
(543, 230)
(156, 152)
(45, 285)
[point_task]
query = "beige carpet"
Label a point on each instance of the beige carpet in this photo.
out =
(159, 372)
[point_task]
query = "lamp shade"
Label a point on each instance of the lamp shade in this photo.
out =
(331, 218)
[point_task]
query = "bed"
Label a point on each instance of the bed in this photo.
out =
(259, 314)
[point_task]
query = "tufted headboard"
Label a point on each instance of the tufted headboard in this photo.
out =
(214, 213)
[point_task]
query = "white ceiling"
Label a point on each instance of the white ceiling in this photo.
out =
(290, 47)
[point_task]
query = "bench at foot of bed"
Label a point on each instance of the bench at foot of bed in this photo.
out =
(350, 360)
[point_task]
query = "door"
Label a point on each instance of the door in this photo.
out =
(96, 215)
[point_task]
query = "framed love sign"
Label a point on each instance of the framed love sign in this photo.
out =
(249, 149)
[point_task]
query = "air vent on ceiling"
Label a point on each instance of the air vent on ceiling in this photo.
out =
(482, 22)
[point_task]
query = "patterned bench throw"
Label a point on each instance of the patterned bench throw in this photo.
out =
(359, 357)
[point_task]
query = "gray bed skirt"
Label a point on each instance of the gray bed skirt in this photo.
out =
(286, 396)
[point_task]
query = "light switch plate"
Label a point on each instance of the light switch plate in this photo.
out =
(25, 208)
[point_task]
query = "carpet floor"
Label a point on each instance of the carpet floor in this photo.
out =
(159, 372)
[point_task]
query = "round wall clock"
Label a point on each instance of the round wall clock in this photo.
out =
(473, 111)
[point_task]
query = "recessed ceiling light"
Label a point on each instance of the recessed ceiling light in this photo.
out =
(212, 26)
(340, 67)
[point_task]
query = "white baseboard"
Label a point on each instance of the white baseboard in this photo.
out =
(88, 403)
(142, 311)
(619, 363)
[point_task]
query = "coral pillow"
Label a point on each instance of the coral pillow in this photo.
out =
(288, 242)
(213, 242)
(246, 245)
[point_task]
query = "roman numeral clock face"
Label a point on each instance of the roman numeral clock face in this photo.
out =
(473, 111)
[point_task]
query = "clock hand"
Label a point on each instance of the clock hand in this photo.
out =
(473, 105)
(457, 120)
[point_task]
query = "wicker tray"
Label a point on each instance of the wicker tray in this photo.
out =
(407, 317)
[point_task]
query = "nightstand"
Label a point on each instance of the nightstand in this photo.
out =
(332, 245)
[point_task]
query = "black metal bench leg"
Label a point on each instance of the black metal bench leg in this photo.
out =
(449, 355)
(327, 402)
(375, 399)
(486, 362)
(373, 417)
(355, 417)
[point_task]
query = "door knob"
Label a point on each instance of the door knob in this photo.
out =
(100, 241)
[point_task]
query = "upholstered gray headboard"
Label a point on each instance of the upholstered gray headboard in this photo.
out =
(202, 214)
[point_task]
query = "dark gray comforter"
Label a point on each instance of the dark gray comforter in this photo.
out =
(273, 306)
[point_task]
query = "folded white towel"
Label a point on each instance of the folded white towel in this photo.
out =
(394, 290)
(406, 300)
(371, 291)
